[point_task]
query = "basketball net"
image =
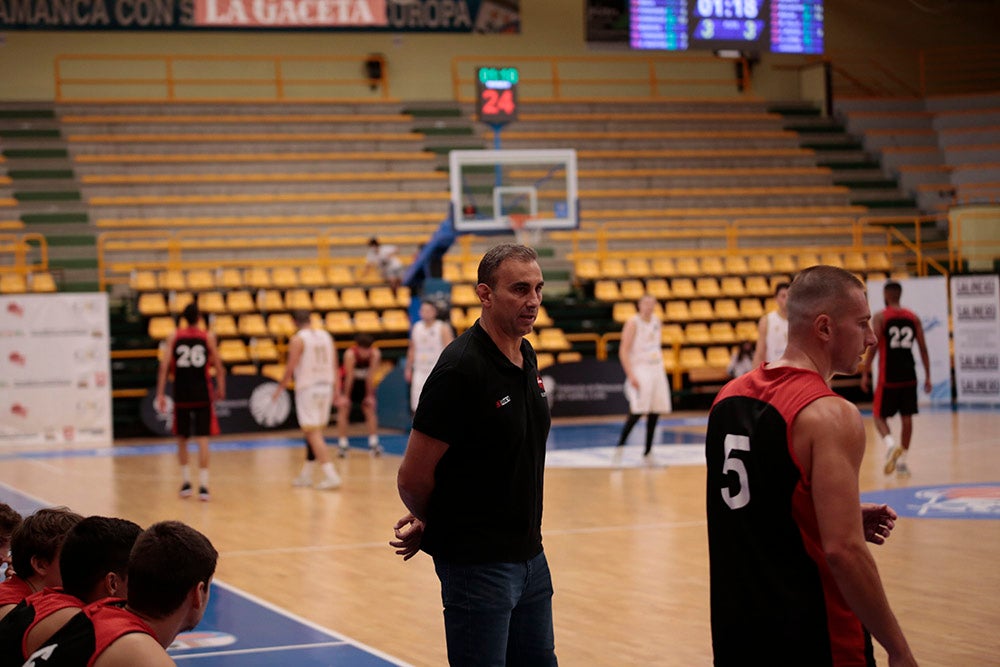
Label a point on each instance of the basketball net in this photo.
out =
(524, 236)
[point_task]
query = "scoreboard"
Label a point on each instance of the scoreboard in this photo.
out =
(779, 26)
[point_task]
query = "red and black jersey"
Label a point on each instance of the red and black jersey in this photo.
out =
(16, 625)
(896, 340)
(189, 362)
(86, 636)
(773, 597)
(13, 589)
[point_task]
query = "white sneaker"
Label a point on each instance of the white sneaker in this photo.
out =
(302, 480)
(328, 484)
(342, 451)
(891, 457)
(902, 470)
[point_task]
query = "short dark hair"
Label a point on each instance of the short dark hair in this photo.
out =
(818, 289)
(9, 519)
(780, 286)
(364, 339)
(168, 560)
(301, 316)
(191, 314)
(40, 536)
(894, 287)
(93, 548)
(372, 241)
(496, 256)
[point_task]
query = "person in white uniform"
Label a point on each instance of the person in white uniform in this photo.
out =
(772, 329)
(428, 338)
(312, 362)
(645, 379)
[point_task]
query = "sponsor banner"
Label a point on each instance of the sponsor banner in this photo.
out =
(585, 388)
(975, 302)
(55, 369)
(954, 501)
(459, 16)
(607, 21)
(248, 407)
(928, 299)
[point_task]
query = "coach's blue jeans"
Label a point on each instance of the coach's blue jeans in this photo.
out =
(498, 614)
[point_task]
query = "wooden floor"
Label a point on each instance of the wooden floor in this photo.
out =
(627, 547)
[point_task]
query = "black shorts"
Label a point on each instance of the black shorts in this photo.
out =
(196, 421)
(890, 400)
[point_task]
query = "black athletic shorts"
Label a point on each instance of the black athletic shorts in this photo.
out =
(197, 421)
(891, 400)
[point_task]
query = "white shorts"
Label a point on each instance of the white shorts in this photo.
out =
(417, 381)
(312, 406)
(653, 394)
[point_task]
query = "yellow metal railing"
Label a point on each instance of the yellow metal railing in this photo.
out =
(215, 78)
(23, 253)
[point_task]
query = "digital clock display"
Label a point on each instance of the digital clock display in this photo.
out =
(780, 26)
(496, 94)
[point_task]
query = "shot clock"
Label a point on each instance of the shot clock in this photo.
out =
(496, 94)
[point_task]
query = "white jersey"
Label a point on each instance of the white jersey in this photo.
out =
(315, 366)
(776, 336)
(427, 346)
(646, 360)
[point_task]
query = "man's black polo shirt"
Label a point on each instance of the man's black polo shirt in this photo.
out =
(487, 500)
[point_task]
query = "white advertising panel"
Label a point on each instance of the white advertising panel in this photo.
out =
(55, 370)
(975, 308)
(928, 299)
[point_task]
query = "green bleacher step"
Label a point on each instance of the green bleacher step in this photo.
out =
(17, 174)
(35, 153)
(73, 263)
(67, 240)
(55, 218)
(444, 112)
(14, 114)
(49, 195)
(444, 150)
(81, 285)
(29, 134)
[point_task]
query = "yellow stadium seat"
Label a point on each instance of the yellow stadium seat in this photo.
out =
(707, 287)
(339, 275)
(281, 325)
(179, 301)
(395, 320)
(701, 309)
(553, 339)
(211, 302)
(637, 267)
(691, 358)
(464, 294)
(243, 369)
(832, 258)
(612, 267)
(777, 280)
(233, 351)
(472, 314)
(339, 323)
(200, 280)
(142, 281)
(750, 308)
(545, 359)
(697, 333)
(543, 319)
(381, 298)
(587, 269)
(325, 298)
(718, 357)
(607, 290)
(298, 299)
(758, 286)
(688, 266)
(726, 309)
(470, 271)
(354, 298)
(367, 321)
(783, 264)
(669, 359)
(239, 302)
(532, 339)
(855, 261)
(732, 286)
(311, 277)
(683, 288)
(229, 278)
(284, 277)
(722, 332)
(257, 277)
(876, 275)
(677, 311)
(879, 261)
(621, 311)
(712, 266)
(161, 327)
(760, 265)
(632, 289)
(457, 318)
(671, 333)
(736, 265)
(452, 272)
(263, 350)
(270, 300)
(569, 357)
(403, 297)
(251, 325)
(172, 280)
(42, 281)
(273, 371)
(658, 288)
(224, 326)
(746, 330)
(804, 261)
(663, 267)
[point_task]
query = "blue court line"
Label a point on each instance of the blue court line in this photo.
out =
(241, 630)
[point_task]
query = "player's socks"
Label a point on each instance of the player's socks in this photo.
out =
(343, 446)
(373, 445)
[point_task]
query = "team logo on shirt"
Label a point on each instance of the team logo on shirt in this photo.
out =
(541, 385)
(503, 401)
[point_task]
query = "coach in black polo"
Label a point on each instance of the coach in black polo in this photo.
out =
(472, 475)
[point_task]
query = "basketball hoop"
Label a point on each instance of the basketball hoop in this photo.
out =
(518, 223)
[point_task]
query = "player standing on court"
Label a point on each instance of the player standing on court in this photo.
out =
(428, 338)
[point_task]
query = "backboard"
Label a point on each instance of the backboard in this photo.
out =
(524, 190)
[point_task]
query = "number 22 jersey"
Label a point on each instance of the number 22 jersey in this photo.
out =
(773, 597)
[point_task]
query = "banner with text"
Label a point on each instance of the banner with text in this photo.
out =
(458, 16)
(55, 367)
(975, 312)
